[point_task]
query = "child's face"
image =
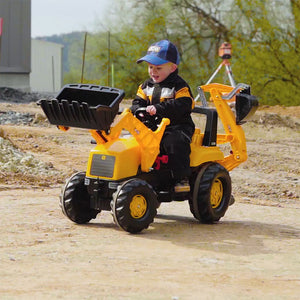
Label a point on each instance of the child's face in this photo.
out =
(161, 72)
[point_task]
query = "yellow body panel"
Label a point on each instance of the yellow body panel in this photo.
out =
(127, 154)
(200, 155)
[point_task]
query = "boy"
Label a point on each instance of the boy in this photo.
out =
(165, 93)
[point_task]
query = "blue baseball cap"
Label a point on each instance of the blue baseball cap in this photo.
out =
(161, 53)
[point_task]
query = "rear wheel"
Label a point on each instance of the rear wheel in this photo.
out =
(212, 193)
(75, 200)
(134, 205)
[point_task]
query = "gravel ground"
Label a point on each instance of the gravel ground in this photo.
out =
(252, 253)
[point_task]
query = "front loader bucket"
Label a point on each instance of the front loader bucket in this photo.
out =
(83, 106)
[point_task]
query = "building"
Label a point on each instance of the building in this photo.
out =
(30, 65)
(15, 62)
(46, 66)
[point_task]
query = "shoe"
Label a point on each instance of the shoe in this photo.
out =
(182, 186)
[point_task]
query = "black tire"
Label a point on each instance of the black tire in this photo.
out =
(134, 205)
(194, 180)
(211, 194)
(75, 200)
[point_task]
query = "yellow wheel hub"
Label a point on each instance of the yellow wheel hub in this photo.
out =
(138, 206)
(216, 193)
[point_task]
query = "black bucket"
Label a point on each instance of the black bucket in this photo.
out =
(83, 106)
(245, 106)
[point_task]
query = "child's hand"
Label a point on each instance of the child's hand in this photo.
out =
(151, 110)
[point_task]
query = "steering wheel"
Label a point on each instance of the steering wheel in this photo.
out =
(151, 122)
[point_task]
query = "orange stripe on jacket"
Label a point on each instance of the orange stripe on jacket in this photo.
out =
(185, 92)
(141, 93)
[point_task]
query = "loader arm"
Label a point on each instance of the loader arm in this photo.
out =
(148, 140)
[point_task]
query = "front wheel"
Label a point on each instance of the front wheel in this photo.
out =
(134, 205)
(75, 200)
(212, 193)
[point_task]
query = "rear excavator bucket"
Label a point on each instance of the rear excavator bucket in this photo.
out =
(245, 106)
(83, 106)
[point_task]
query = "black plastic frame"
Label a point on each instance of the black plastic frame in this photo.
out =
(210, 134)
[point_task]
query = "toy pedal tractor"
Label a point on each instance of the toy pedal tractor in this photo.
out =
(125, 172)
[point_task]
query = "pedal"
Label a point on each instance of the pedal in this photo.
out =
(182, 187)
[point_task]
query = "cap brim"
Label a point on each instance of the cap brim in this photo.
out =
(153, 60)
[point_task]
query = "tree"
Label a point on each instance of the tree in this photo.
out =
(265, 35)
(268, 44)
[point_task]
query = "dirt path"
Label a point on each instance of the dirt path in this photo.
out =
(252, 253)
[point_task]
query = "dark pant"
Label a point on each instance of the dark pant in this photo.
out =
(176, 144)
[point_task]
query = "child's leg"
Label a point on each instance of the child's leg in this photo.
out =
(176, 145)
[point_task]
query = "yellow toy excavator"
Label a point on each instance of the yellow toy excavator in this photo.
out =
(127, 174)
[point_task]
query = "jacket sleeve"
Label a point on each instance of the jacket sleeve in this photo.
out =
(140, 100)
(178, 108)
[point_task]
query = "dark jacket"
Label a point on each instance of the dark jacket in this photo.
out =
(172, 99)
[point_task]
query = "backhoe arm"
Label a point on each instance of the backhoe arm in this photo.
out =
(234, 134)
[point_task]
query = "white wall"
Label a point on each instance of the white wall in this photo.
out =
(46, 66)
